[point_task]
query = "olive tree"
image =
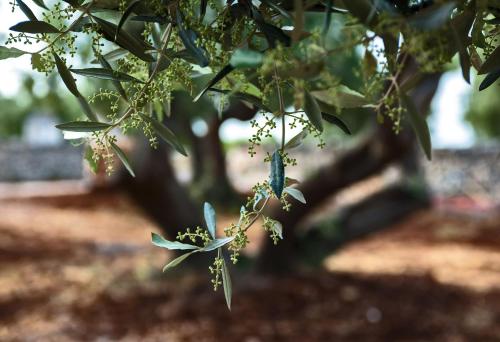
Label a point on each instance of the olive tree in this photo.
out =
(268, 57)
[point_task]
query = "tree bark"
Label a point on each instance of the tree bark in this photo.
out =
(156, 190)
(372, 156)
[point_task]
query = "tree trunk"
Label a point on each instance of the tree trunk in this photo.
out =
(156, 190)
(372, 156)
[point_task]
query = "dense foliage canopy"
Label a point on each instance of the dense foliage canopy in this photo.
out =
(278, 57)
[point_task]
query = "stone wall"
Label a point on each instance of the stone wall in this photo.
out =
(21, 162)
(474, 171)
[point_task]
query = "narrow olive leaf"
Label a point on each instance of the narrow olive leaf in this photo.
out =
(80, 24)
(40, 3)
(219, 76)
(226, 281)
(432, 17)
(328, 16)
(460, 26)
(278, 9)
(363, 10)
(35, 26)
(312, 110)
(341, 96)
(166, 134)
(134, 45)
(277, 174)
(66, 76)
(131, 7)
(335, 120)
(419, 125)
(245, 58)
(296, 140)
(216, 243)
(6, 52)
(272, 33)
(492, 63)
(123, 157)
(26, 10)
(150, 19)
(203, 8)
(111, 56)
(116, 84)
(295, 193)
(83, 126)
(257, 102)
(209, 213)
(188, 38)
(489, 79)
(105, 74)
(86, 108)
(177, 261)
(159, 241)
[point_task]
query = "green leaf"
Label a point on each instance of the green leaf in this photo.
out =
(83, 126)
(296, 140)
(105, 74)
(125, 40)
(177, 261)
(35, 26)
(492, 63)
(188, 38)
(112, 55)
(26, 10)
(87, 109)
(40, 3)
(277, 174)
(66, 76)
(272, 33)
(432, 17)
(341, 96)
(419, 125)
(123, 157)
(203, 8)
(295, 193)
(335, 120)
(216, 243)
(257, 102)
(226, 281)
(460, 26)
(132, 5)
(6, 52)
(363, 10)
(489, 79)
(166, 134)
(159, 241)
(278, 9)
(220, 75)
(209, 213)
(116, 84)
(328, 16)
(312, 111)
(245, 58)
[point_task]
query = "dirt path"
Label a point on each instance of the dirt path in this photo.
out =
(82, 268)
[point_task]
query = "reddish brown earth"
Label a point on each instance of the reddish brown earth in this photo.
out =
(82, 268)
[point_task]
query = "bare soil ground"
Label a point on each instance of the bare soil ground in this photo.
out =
(82, 269)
